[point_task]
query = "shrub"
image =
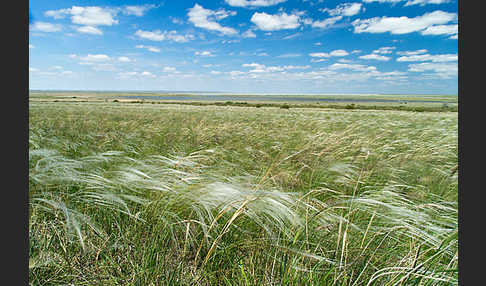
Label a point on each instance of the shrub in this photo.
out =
(350, 106)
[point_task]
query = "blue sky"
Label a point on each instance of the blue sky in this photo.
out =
(246, 46)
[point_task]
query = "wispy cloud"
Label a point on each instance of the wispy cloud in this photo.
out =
(378, 54)
(261, 68)
(203, 53)
(291, 36)
(441, 30)
(375, 57)
(425, 2)
(411, 53)
(441, 70)
(409, 2)
(139, 10)
(354, 67)
(45, 27)
(124, 59)
(91, 57)
(249, 34)
(89, 30)
(335, 53)
(338, 13)
(289, 55)
(169, 69)
(326, 23)
(427, 57)
(148, 48)
(158, 36)
(384, 50)
(135, 75)
(345, 9)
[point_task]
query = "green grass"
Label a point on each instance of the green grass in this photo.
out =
(156, 194)
(419, 103)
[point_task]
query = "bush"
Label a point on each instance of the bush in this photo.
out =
(285, 106)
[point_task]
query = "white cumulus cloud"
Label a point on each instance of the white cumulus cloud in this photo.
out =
(268, 22)
(206, 19)
(254, 3)
(403, 25)
(93, 16)
(89, 17)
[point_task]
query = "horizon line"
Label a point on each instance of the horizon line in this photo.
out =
(231, 92)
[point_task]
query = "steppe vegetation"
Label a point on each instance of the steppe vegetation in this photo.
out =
(159, 194)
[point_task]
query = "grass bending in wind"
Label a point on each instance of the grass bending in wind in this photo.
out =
(324, 200)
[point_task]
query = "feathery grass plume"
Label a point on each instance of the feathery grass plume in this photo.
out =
(197, 193)
(73, 219)
(271, 209)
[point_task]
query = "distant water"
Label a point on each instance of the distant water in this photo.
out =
(208, 97)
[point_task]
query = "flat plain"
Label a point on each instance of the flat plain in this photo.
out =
(150, 193)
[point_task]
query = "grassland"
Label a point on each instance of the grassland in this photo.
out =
(403, 102)
(172, 194)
